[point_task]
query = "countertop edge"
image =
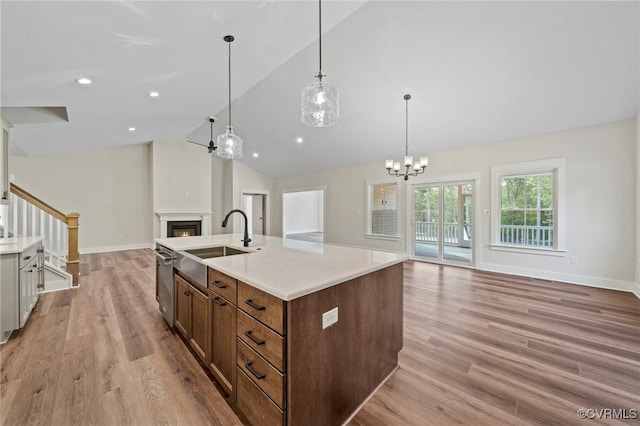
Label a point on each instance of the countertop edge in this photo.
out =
(21, 244)
(287, 297)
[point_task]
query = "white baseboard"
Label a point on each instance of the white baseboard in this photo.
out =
(636, 289)
(606, 283)
(105, 249)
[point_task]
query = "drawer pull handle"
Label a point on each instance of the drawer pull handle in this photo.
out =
(253, 305)
(27, 257)
(255, 340)
(187, 293)
(250, 368)
(219, 284)
(218, 302)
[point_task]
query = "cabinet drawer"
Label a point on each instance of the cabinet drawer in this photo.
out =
(263, 374)
(223, 284)
(256, 405)
(263, 306)
(263, 340)
(28, 255)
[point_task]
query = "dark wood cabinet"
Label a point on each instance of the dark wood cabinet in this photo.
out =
(261, 360)
(192, 311)
(276, 363)
(222, 323)
(183, 307)
(199, 323)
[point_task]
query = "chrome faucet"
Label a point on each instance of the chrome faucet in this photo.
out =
(246, 240)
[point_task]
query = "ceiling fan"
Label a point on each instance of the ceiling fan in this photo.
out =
(212, 146)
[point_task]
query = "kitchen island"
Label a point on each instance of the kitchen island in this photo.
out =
(298, 333)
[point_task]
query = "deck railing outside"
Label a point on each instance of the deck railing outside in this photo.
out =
(541, 236)
(527, 235)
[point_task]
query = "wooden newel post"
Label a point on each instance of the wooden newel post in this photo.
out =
(73, 259)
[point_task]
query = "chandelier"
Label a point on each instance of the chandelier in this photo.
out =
(410, 168)
(320, 100)
(229, 144)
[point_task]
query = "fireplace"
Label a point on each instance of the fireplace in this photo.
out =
(184, 228)
(165, 218)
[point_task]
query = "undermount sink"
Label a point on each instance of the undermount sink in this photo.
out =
(220, 251)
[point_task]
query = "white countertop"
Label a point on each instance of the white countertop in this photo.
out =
(12, 245)
(288, 269)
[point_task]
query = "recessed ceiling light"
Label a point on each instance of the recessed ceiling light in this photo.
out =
(83, 80)
(132, 129)
(255, 154)
(154, 94)
(299, 140)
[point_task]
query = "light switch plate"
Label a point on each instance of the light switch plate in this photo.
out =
(329, 318)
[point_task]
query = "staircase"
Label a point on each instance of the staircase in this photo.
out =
(27, 215)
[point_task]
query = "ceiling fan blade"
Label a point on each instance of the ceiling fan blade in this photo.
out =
(197, 143)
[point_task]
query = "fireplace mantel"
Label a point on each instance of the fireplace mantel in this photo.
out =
(166, 217)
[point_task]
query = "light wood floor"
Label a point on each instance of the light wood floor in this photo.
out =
(479, 348)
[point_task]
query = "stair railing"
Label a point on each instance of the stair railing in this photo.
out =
(31, 216)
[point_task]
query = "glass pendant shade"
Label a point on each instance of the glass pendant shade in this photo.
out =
(229, 145)
(320, 104)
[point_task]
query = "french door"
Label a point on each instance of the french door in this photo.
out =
(442, 222)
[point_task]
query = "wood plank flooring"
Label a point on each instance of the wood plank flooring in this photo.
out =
(102, 355)
(489, 349)
(479, 348)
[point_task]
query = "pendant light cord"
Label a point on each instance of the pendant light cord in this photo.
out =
(406, 126)
(320, 37)
(230, 83)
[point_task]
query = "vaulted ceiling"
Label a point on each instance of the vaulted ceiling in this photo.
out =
(479, 72)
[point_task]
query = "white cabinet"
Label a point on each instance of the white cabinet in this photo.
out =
(21, 273)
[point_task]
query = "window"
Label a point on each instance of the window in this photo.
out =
(528, 201)
(382, 209)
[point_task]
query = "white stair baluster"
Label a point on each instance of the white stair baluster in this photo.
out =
(33, 220)
(50, 238)
(59, 245)
(25, 210)
(3, 220)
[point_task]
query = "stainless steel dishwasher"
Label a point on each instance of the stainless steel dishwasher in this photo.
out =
(164, 282)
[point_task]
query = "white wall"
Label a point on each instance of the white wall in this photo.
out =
(344, 204)
(637, 289)
(601, 232)
(303, 212)
(111, 190)
(182, 179)
(238, 178)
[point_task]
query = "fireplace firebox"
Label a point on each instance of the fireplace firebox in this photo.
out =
(183, 228)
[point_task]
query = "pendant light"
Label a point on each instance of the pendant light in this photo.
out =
(320, 100)
(229, 144)
(418, 168)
